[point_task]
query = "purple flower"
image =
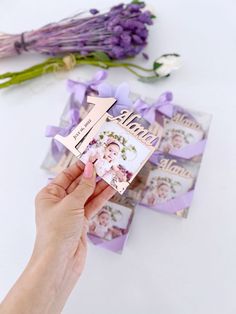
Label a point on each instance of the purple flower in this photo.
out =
(112, 41)
(117, 7)
(146, 18)
(145, 55)
(137, 39)
(136, 6)
(117, 52)
(118, 30)
(143, 33)
(125, 40)
(93, 11)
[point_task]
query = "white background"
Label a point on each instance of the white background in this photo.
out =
(169, 266)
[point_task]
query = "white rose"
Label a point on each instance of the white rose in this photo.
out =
(164, 65)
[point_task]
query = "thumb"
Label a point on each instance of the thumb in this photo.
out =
(85, 188)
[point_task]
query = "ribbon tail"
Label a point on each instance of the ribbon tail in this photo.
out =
(74, 117)
(174, 205)
(191, 150)
(155, 158)
(98, 78)
(164, 104)
(56, 149)
(51, 130)
(166, 109)
(78, 89)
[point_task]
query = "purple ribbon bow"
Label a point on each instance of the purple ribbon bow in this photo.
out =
(148, 111)
(163, 104)
(56, 147)
(121, 94)
(79, 89)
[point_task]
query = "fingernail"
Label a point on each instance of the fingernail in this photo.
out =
(88, 170)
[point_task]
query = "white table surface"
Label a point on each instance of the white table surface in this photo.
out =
(169, 265)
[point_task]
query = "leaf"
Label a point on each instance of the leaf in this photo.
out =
(100, 56)
(156, 65)
(137, 2)
(149, 79)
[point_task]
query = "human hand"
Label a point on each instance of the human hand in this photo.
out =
(63, 208)
(94, 157)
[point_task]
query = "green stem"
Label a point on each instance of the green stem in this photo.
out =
(28, 75)
(57, 64)
(113, 65)
(100, 64)
(35, 67)
(135, 66)
(134, 72)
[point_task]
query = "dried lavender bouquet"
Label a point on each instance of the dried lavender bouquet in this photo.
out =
(121, 32)
(100, 39)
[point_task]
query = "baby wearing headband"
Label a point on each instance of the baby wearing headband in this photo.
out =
(159, 194)
(105, 159)
(160, 190)
(177, 139)
(100, 225)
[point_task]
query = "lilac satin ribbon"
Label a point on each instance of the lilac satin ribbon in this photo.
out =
(190, 150)
(115, 245)
(163, 104)
(174, 205)
(121, 94)
(148, 111)
(156, 157)
(79, 89)
(187, 152)
(74, 118)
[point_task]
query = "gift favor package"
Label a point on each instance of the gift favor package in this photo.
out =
(149, 150)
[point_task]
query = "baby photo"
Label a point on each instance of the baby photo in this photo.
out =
(116, 154)
(160, 189)
(135, 191)
(111, 221)
(171, 178)
(183, 129)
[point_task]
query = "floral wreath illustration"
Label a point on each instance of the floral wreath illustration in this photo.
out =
(173, 132)
(156, 182)
(113, 137)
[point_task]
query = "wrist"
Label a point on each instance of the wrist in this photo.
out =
(59, 262)
(51, 259)
(37, 290)
(53, 248)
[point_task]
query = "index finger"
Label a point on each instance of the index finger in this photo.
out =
(92, 207)
(66, 177)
